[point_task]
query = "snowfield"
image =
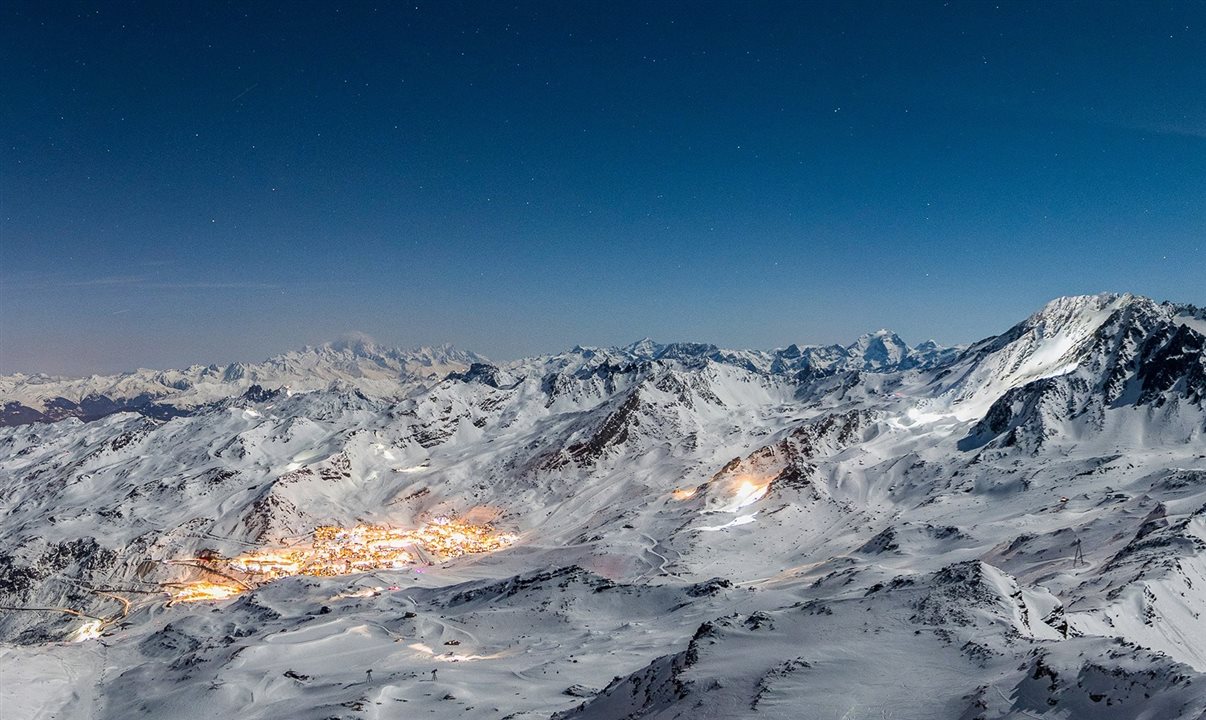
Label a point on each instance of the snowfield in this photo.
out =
(1012, 529)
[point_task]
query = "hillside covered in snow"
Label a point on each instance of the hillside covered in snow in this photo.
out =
(1011, 529)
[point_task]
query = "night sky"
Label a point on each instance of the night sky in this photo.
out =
(209, 182)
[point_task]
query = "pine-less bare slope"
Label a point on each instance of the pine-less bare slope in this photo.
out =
(356, 365)
(1014, 529)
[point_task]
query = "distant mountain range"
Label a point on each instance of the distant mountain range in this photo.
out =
(390, 372)
(170, 393)
(1011, 529)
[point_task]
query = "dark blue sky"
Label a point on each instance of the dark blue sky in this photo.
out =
(197, 182)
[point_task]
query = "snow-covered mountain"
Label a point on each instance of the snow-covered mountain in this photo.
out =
(358, 364)
(1012, 529)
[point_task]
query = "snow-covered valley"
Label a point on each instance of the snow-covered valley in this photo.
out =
(1012, 529)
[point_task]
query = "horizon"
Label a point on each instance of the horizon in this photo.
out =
(350, 339)
(228, 183)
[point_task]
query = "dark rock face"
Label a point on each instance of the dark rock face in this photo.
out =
(483, 373)
(957, 590)
(14, 413)
(25, 571)
(257, 394)
(561, 577)
(686, 352)
(613, 431)
(1137, 358)
(1020, 412)
(1174, 362)
(92, 407)
(884, 542)
(709, 587)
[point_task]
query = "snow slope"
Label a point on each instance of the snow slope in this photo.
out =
(1013, 529)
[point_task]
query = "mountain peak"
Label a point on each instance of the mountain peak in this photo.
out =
(645, 347)
(356, 343)
(882, 349)
(1063, 309)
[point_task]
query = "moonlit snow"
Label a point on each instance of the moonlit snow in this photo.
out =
(1012, 529)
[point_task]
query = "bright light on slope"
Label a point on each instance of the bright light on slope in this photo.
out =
(746, 493)
(202, 590)
(749, 493)
(734, 493)
(90, 630)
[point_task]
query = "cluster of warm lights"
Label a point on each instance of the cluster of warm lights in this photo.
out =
(202, 590)
(343, 551)
(450, 538)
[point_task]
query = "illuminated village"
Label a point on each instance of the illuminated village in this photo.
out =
(336, 551)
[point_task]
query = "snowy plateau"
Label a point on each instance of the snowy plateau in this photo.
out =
(1011, 529)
